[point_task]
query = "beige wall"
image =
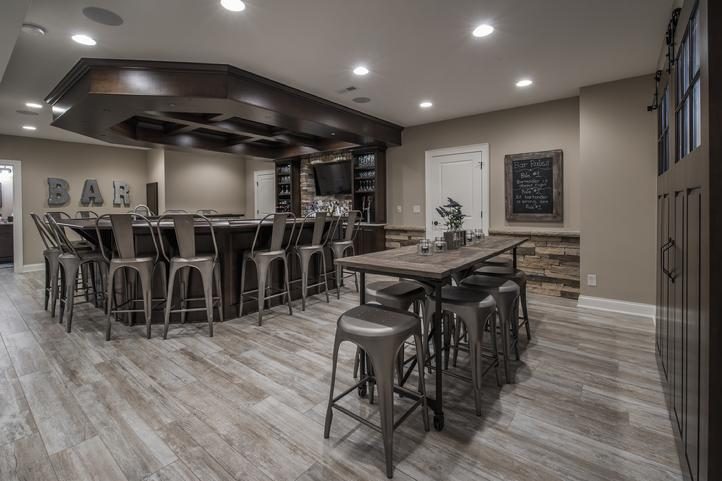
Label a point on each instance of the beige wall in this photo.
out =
(155, 172)
(205, 180)
(75, 163)
(545, 126)
(618, 173)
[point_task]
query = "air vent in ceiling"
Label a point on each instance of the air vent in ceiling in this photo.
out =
(361, 100)
(26, 112)
(103, 16)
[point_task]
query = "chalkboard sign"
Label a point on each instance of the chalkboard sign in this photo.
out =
(534, 186)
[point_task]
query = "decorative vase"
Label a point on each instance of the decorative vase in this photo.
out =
(455, 239)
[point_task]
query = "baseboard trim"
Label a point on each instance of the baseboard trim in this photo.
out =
(614, 305)
(32, 267)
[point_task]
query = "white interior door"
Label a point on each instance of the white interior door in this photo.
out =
(265, 197)
(461, 174)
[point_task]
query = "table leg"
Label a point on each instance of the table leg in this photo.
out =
(438, 404)
(514, 258)
(363, 388)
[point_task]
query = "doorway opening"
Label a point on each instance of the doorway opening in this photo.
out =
(10, 213)
(462, 174)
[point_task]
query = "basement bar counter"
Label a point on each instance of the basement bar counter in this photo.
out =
(234, 235)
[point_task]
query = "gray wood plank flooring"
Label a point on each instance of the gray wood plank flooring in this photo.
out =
(249, 403)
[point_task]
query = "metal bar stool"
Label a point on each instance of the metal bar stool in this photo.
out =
(72, 261)
(519, 277)
(476, 310)
(506, 295)
(318, 244)
(86, 214)
(380, 331)
(141, 209)
(264, 258)
(340, 248)
(126, 259)
(51, 255)
(184, 226)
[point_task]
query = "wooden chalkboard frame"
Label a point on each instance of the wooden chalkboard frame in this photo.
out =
(557, 214)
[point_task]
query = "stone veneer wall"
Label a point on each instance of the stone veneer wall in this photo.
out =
(550, 259)
(308, 186)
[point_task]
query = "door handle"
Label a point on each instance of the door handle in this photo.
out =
(665, 247)
(436, 222)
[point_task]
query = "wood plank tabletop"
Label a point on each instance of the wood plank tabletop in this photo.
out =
(404, 261)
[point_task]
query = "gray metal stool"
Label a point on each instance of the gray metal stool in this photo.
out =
(319, 242)
(187, 259)
(506, 295)
(380, 331)
(128, 258)
(86, 214)
(51, 255)
(519, 277)
(73, 261)
(340, 248)
(263, 260)
(476, 309)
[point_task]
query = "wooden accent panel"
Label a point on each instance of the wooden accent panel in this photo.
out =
(692, 310)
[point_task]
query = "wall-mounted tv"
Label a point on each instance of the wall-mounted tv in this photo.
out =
(332, 178)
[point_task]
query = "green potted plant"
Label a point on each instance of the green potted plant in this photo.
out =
(454, 220)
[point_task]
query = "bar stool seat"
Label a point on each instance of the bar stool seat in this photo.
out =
(506, 294)
(380, 331)
(397, 294)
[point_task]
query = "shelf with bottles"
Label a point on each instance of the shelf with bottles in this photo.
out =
(365, 185)
(365, 162)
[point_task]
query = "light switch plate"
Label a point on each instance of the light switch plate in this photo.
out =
(592, 280)
(417, 209)
(398, 209)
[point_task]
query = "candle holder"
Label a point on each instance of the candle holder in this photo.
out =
(440, 244)
(425, 248)
(478, 234)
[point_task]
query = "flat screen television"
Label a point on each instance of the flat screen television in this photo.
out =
(332, 178)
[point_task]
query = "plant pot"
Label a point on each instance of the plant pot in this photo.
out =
(455, 239)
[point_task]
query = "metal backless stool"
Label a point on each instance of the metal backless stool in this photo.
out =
(127, 258)
(184, 226)
(506, 295)
(51, 255)
(380, 331)
(476, 309)
(340, 248)
(319, 241)
(73, 261)
(517, 276)
(263, 259)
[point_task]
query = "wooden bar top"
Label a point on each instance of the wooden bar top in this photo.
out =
(404, 261)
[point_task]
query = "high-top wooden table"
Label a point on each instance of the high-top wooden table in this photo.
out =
(434, 272)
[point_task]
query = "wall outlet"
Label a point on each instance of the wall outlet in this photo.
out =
(417, 209)
(592, 280)
(398, 209)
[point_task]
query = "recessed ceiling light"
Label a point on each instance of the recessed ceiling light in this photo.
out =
(524, 83)
(58, 110)
(361, 70)
(426, 104)
(84, 39)
(361, 100)
(29, 127)
(483, 30)
(233, 5)
(33, 105)
(34, 29)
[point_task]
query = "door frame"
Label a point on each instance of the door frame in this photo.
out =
(485, 166)
(18, 261)
(256, 174)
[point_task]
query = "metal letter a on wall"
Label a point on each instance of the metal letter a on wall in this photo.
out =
(121, 192)
(91, 193)
(58, 191)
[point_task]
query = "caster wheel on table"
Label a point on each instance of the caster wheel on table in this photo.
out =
(362, 391)
(438, 422)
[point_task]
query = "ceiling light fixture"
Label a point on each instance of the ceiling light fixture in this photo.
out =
(29, 127)
(233, 5)
(524, 83)
(33, 105)
(84, 39)
(34, 29)
(361, 70)
(58, 110)
(426, 104)
(483, 30)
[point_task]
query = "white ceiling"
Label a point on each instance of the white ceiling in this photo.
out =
(415, 49)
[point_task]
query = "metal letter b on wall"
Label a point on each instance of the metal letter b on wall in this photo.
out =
(91, 193)
(58, 191)
(121, 192)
